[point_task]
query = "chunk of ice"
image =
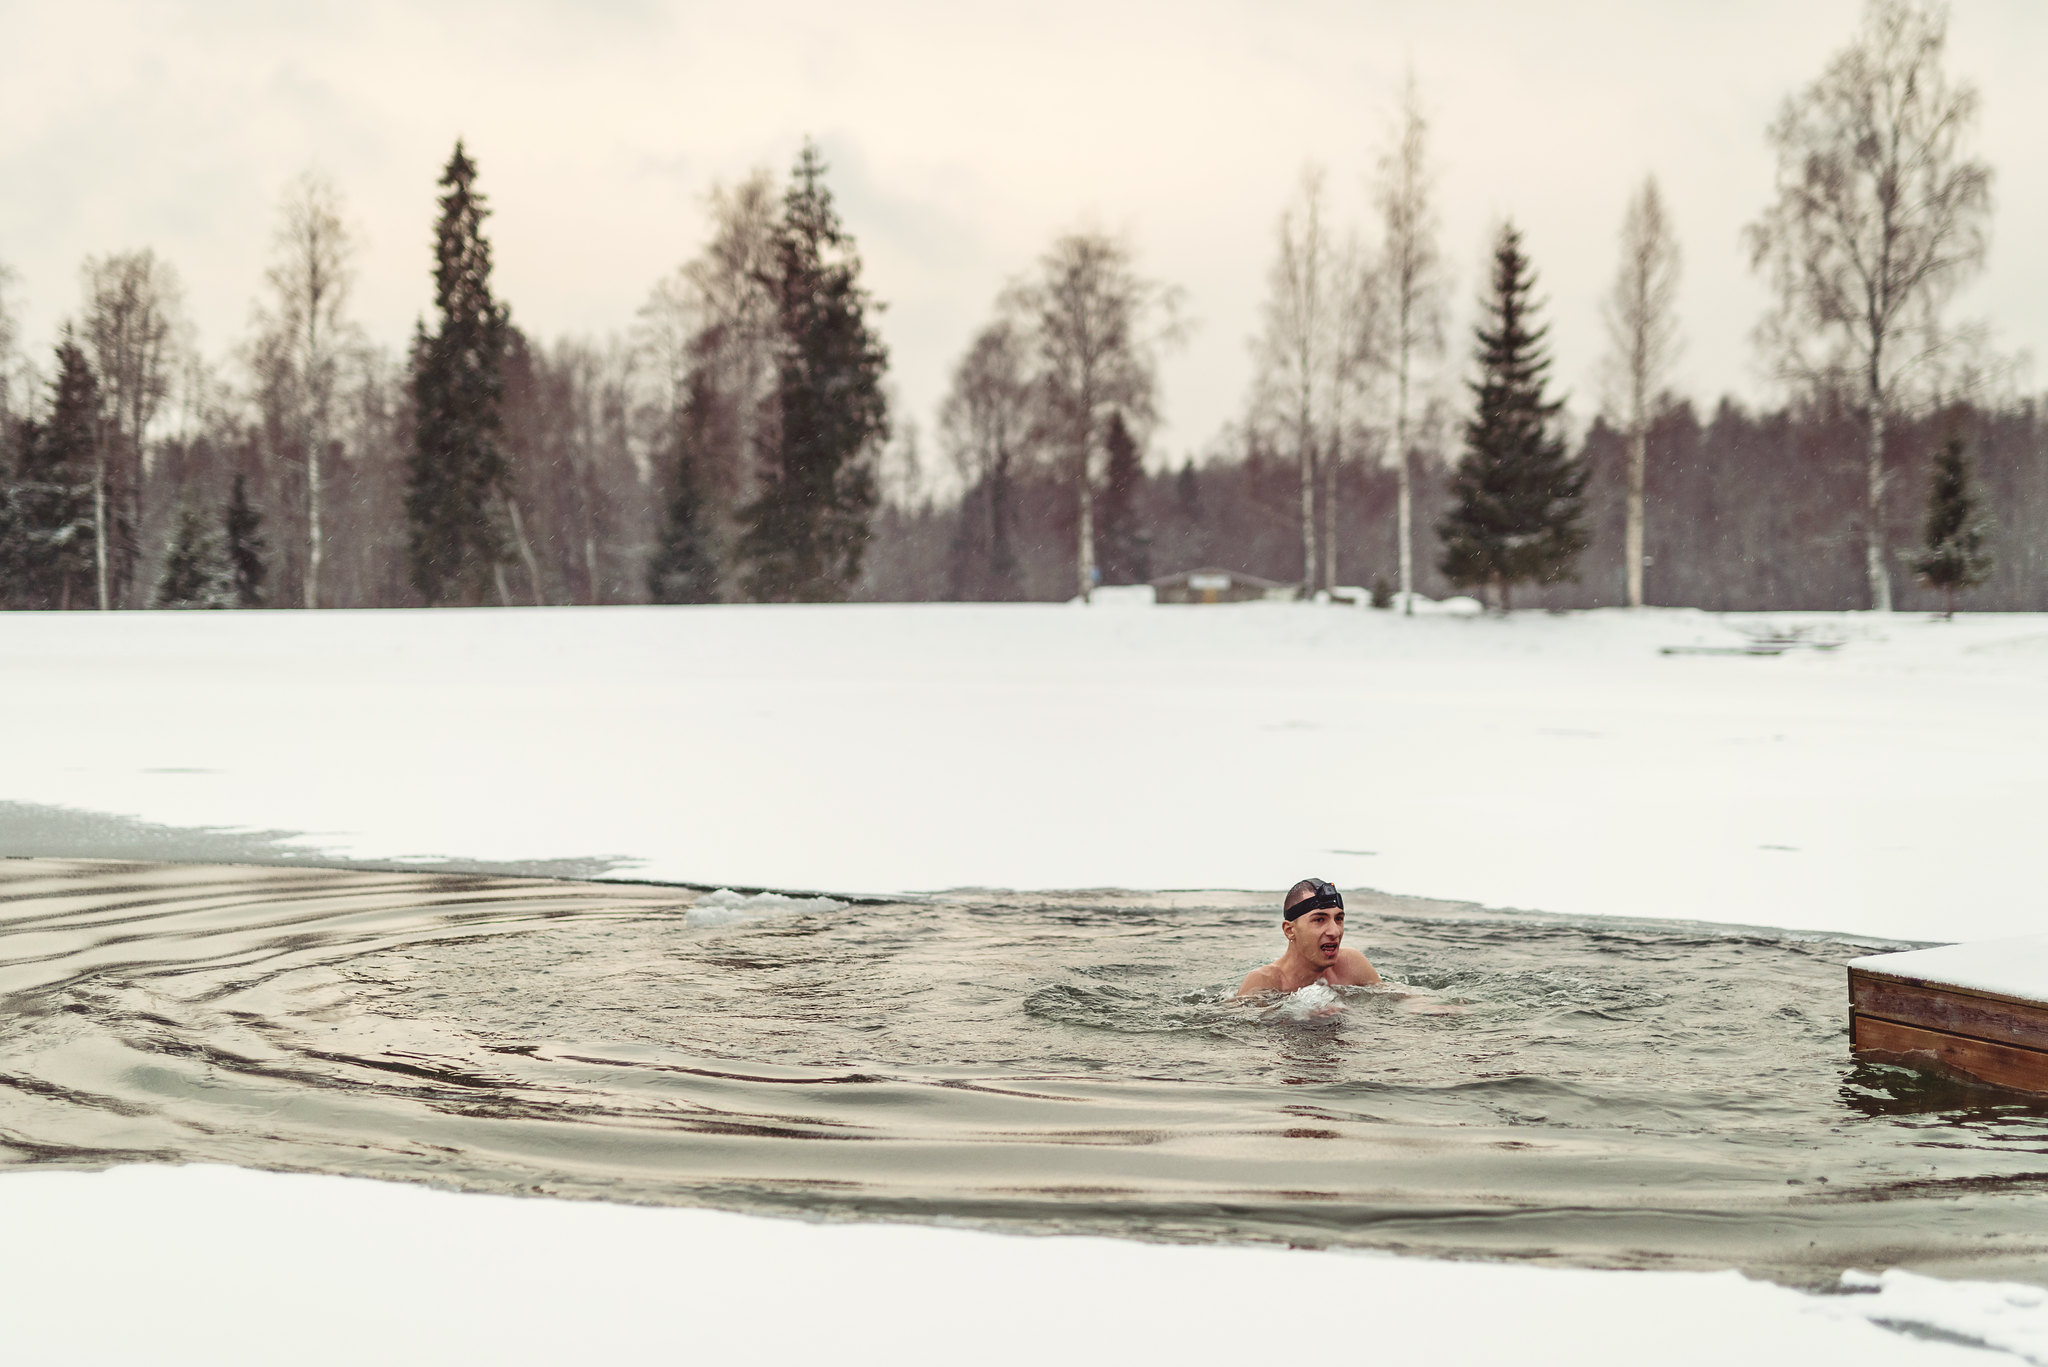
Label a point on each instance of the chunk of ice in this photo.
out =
(728, 908)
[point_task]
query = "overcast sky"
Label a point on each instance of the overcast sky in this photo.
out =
(962, 138)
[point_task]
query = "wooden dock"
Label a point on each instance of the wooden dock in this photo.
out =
(1976, 1011)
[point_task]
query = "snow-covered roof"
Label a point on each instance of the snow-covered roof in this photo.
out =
(1181, 579)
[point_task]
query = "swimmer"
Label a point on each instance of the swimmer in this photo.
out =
(1312, 919)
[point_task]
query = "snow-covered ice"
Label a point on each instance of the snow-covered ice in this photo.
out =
(1886, 788)
(724, 907)
(1998, 1315)
(222, 1268)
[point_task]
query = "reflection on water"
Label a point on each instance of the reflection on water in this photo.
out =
(1607, 1094)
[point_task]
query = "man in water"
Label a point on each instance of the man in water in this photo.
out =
(1312, 919)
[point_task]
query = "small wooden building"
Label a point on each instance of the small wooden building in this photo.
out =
(1218, 586)
(1976, 1011)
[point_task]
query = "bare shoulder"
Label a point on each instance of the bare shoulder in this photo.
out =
(1354, 969)
(1259, 980)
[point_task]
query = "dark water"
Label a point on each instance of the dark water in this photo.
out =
(1606, 1094)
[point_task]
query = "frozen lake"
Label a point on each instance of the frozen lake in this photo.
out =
(1552, 763)
(1881, 790)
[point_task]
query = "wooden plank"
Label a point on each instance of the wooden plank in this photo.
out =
(1956, 1013)
(1936, 1051)
(1936, 985)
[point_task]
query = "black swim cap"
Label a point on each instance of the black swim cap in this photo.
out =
(1324, 895)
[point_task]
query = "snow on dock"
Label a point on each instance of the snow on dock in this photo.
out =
(1977, 1011)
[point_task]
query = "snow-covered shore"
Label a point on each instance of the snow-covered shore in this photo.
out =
(212, 1266)
(1886, 788)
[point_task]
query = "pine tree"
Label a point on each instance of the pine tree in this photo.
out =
(196, 573)
(1124, 549)
(805, 533)
(46, 508)
(1517, 509)
(1956, 551)
(456, 474)
(683, 569)
(246, 547)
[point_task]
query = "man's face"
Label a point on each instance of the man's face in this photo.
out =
(1316, 935)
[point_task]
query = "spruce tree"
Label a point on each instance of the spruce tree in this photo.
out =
(46, 515)
(456, 473)
(803, 536)
(1124, 550)
(246, 547)
(1516, 514)
(684, 569)
(196, 571)
(1956, 549)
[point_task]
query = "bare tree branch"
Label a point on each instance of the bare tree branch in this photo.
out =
(1096, 327)
(1414, 289)
(133, 328)
(712, 323)
(1642, 330)
(1880, 217)
(310, 275)
(1300, 334)
(987, 428)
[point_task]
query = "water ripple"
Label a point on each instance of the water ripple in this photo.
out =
(1602, 1094)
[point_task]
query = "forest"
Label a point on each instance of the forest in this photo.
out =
(738, 440)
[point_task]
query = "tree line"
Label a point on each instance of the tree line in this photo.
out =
(1880, 215)
(1749, 516)
(728, 449)
(738, 443)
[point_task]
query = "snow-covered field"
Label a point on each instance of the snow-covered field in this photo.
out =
(1886, 788)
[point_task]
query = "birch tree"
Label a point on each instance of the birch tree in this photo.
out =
(601, 454)
(1412, 276)
(1096, 326)
(1880, 216)
(986, 428)
(1642, 330)
(132, 324)
(1354, 351)
(1299, 338)
(709, 333)
(309, 278)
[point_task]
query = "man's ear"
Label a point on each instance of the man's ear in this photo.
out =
(1287, 929)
